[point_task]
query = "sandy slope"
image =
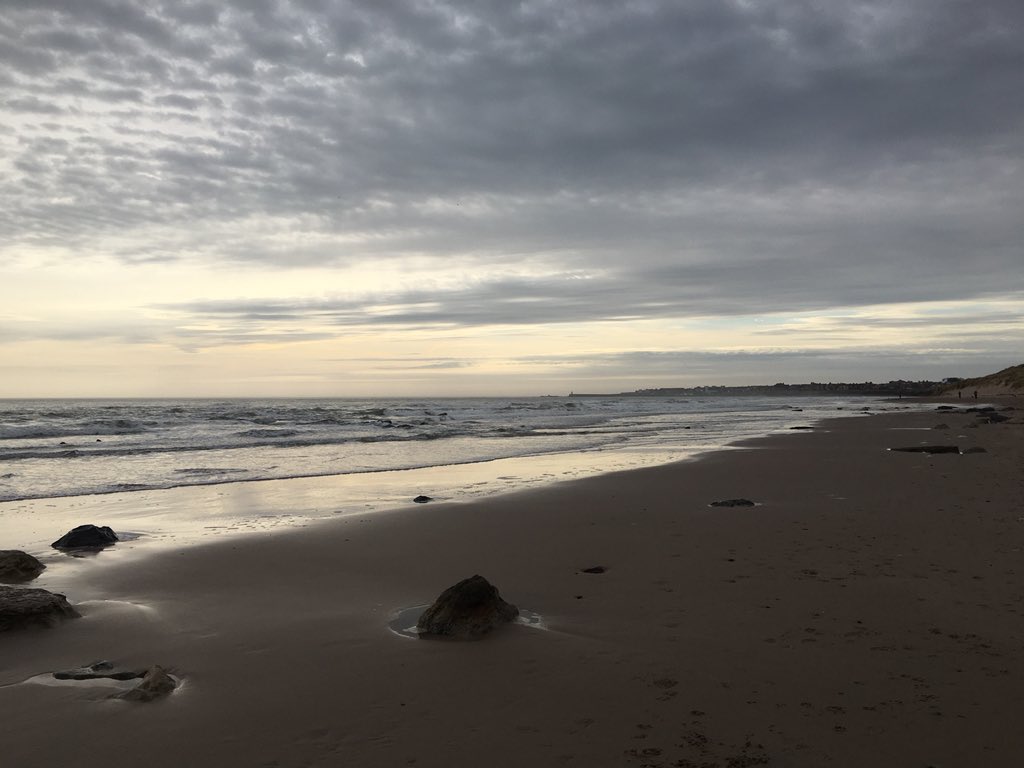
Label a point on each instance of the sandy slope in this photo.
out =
(867, 613)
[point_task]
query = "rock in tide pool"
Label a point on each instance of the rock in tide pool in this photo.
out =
(22, 607)
(466, 611)
(86, 537)
(156, 683)
(733, 503)
(928, 449)
(17, 566)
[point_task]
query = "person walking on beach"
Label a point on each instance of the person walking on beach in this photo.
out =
(975, 394)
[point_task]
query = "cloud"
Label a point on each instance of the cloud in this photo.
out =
(323, 108)
(683, 292)
(569, 162)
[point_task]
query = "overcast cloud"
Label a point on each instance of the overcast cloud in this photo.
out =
(572, 161)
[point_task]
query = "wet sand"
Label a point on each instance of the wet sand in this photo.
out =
(866, 613)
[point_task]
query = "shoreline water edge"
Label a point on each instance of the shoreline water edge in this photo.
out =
(57, 448)
(367, 456)
(864, 612)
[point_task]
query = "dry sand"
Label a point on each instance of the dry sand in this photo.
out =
(866, 613)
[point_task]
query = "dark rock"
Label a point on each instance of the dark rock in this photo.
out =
(23, 607)
(86, 537)
(928, 449)
(733, 503)
(17, 566)
(995, 418)
(156, 683)
(466, 611)
(594, 569)
(801, 427)
(974, 449)
(422, 499)
(945, 408)
(99, 669)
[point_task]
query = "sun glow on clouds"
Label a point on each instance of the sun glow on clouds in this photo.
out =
(343, 197)
(344, 336)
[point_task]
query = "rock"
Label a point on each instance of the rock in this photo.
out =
(155, 684)
(17, 566)
(23, 607)
(99, 669)
(974, 449)
(594, 569)
(733, 503)
(466, 611)
(86, 537)
(422, 499)
(928, 449)
(995, 418)
(801, 427)
(945, 408)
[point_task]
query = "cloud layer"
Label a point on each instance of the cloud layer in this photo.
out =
(551, 162)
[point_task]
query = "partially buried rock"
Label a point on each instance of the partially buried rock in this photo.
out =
(974, 449)
(928, 449)
(466, 611)
(22, 607)
(17, 566)
(733, 503)
(594, 569)
(98, 670)
(422, 499)
(155, 684)
(86, 537)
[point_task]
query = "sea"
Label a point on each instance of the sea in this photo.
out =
(60, 448)
(171, 473)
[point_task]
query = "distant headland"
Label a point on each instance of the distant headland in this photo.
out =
(1007, 381)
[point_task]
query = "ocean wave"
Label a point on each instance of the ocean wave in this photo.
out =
(272, 433)
(87, 429)
(190, 480)
(257, 439)
(163, 444)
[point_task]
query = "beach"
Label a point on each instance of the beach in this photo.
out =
(866, 612)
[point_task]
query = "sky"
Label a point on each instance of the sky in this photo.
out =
(356, 198)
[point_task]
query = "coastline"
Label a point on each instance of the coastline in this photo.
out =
(152, 519)
(865, 613)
